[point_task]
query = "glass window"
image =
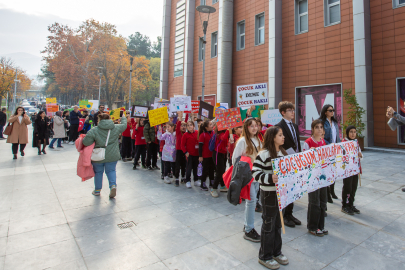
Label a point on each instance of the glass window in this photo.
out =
(178, 61)
(179, 49)
(180, 20)
(214, 44)
(214, 1)
(260, 29)
(332, 12)
(302, 16)
(401, 2)
(178, 55)
(240, 44)
(203, 2)
(179, 43)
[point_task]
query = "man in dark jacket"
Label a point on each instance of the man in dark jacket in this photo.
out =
(100, 111)
(3, 121)
(152, 145)
(74, 124)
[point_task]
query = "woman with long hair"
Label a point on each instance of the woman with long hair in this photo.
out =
(19, 132)
(59, 130)
(270, 241)
(331, 127)
(249, 145)
(41, 134)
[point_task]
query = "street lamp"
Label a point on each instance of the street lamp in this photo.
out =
(15, 89)
(131, 60)
(209, 10)
(99, 85)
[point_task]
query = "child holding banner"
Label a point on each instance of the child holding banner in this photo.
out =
(317, 199)
(270, 248)
(169, 150)
(205, 155)
(189, 144)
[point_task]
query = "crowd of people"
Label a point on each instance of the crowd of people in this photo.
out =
(190, 146)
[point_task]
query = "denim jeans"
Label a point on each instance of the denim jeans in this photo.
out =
(250, 207)
(316, 209)
(270, 238)
(54, 140)
(109, 171)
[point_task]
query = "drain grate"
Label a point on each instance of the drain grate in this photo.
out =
(126, 225)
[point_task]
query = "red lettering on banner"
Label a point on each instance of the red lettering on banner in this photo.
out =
(292, 163)
(310, 156)
(281, 168)
(319, 156)
(287, 165)
(298, 161)
(247, 102)
(304, 164)
(245, 88)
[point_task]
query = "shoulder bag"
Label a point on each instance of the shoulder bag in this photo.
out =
(99, 153)
(8, 129)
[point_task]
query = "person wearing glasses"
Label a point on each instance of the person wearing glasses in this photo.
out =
(100, 111)
(331, 136)
(292, 145)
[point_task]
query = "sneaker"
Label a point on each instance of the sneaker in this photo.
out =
(167, 180)
(252, 236)
(281, 259)
(214, 193)
(295, 220)
(162, 177)
(51, 147)
(134, 168)
(155, 168)
(170, 175)
(183, 179)
(96, 192)
(176, 183)
(204, 187)
(288, 222)
(347, 210)
(325, 232)
(143, 166)
(355, 210)
(150, 168)
(316, 233)
(124, 160)
(271, 264)
(188, 185)
(223, 189)
(113, 191)
(197, 183)
(71, 143)
(60, 147)
(259, 208)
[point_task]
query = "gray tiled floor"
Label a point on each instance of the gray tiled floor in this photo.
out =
(50, 220)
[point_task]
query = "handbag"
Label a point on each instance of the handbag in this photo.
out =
(8, 129)
(99, 153)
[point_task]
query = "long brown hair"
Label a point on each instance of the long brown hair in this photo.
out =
(246, 134)
(269, 144)
(202, 127)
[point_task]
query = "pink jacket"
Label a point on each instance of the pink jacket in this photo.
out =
(84, 166)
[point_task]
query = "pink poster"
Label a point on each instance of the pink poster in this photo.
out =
(309, 103)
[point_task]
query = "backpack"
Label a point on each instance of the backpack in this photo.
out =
(213, 140)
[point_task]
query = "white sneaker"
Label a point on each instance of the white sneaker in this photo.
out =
(188, 185)
(167, 180)
(214, 193)
(71, 143)
(197, 183)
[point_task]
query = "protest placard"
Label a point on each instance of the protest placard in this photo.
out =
(195, 106)
(115, 114)
(51, 100)
(229, 119)
(271, 117)
(95, 104)
(139, 111)
(158, 116)
(52, 108)
(180, 104)
(252, 94)
(313, 169)
(206, 110)
(85, 104)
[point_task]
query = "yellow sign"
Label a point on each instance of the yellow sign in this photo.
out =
(158, 116)
(51, 100)
(115, 114)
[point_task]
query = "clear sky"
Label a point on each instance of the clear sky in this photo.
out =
(23, 23)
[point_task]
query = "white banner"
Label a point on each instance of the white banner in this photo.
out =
(271, 117)
(252, 94)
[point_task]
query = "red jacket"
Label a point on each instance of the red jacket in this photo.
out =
(179, 134)
(139, 138)
(222, 142)
(189, 143)
(231, 146)
(127, 132)
(205, 139)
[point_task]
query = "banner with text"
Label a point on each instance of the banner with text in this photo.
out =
(158, 116)
(271, 117)
(229, 119)
(314, 169)
(180, 104)
(252, 94)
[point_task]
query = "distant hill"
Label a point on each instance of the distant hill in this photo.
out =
(28, 62)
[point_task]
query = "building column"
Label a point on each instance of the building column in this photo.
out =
(362, 65)
(164, 58)
(275, 85)
(225, 46)
(189, 48)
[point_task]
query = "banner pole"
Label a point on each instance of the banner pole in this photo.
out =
(282, 221)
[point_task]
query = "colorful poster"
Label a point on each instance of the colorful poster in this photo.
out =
(229, 119)
(180, 104)
(115, 114)
(210, 99)
(271, 117)
(195, 106)
(85, 104)
(139, 111)
(51, 108)
(309, 103)
(252, 94)
(313, 169)
(95, 104)
(158, 116)
(206, 110)
(51, 100)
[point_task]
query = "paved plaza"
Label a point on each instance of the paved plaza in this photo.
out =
(50, 220)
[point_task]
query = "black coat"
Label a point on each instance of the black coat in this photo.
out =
(41, 131)
(3, 118)
(289, 139)
(241, 176)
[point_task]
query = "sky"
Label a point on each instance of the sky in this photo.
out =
(23, 23)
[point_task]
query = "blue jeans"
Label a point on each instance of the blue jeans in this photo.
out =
(1, 131)
(250, 207)
(109, 171)
(54, 140)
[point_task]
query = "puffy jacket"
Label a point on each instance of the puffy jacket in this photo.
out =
(84, 166)
(239, 184)
(149, 132)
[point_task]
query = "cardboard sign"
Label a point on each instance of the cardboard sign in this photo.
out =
(252, 94)
(206, 110)
(210, 99)
(180, 104)
(52, 108)
(229, 119)
(158, 116)
(51, 100)
(115, 114)
(271, 117)
(314, 169)
(95, 104)
(139, 111)
(195, 106)
(85, 104)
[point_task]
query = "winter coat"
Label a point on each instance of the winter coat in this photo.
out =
(84, 166)
(58, 128)
(74, 117)
(99, 135)
(169, 150)
(149, 132)
(239, 185)
(3, 118)
(19, 134)
(328, 131)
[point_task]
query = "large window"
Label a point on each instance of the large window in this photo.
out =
(214, 1)
(301, 19)
(398, 3)
(259, 29)
(179, 38)
(201, 50)
(240, 30)
(203, 2)
(214, 44)
(332, 12)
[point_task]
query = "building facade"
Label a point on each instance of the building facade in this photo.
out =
(307, 51)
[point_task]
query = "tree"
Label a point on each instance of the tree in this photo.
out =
(157, 48)
(140, 43)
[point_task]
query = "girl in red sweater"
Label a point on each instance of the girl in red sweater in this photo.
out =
(180, 157)
(219, 157)
(189, 145)
(317, 199)
(204, 153)
(140, 144)
(126, 146)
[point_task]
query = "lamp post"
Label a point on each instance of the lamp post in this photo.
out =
(131, 52)
(99, 85)
(15, 90)
(209, 10)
